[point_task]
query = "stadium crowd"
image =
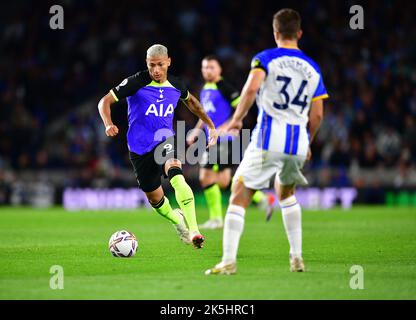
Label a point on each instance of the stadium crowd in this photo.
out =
(51, 80)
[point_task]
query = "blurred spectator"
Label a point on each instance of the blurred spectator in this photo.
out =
(388, 145)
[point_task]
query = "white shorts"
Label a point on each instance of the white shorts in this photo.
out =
(258, 167)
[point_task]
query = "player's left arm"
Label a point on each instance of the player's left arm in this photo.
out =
(197, 109)
(248, 96)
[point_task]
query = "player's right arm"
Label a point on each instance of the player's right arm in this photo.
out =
(125, 89)
(104, 108)
(197, 109)
(248, 96)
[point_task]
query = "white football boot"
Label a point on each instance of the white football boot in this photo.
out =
(181, 227)
(222, 269)
(212, 224)
(296, 264)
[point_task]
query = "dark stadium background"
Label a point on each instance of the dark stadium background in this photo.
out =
(51, 135)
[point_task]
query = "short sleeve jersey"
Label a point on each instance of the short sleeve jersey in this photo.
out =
(293, 81)
(219, 99)
(151, 108)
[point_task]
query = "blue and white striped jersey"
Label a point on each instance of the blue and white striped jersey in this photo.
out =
(293, 81)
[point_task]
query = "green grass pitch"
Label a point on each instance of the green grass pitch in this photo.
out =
(381, 240)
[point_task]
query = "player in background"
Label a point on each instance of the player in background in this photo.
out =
(152, 96)
(219, 99)
(290, 92)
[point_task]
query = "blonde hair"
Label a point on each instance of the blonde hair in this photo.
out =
(157, 50)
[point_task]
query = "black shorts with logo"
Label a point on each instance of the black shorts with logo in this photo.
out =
(150, 167)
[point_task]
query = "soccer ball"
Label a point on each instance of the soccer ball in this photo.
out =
(123, 244)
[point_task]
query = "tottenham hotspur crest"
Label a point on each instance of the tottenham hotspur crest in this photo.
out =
(160, 96)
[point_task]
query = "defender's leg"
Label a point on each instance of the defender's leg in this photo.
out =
(292, 221)
(233, 228)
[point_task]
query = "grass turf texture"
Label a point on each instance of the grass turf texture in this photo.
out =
(381, 240)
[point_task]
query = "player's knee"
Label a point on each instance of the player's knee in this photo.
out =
(172, 163)
(155, 202)
(173, 171)
(223, 184)
(285, 192)
(203, 181)
(206, 178)
(240, 195)
(155, 197)
(239, 200)
(224, 180)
